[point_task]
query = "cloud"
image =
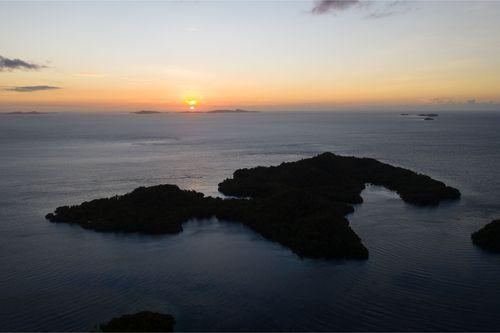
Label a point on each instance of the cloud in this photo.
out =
(376, 9)
(7, 64)
(390, 9)
(325, 6)
(31, 88)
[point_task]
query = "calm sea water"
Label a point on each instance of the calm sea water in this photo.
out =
(423, 272)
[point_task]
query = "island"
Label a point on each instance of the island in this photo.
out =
(146, 112)
(26, 113)
(428, 118)
(404, 114)
(430, 115)
(145, 321)
(301, 205)
(488, 237)
(232, 111)
(339, 178)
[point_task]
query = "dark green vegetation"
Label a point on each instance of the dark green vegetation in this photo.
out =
(144, 321)
(300, 205)
(488, 237)
(337, 178)
(157, 209)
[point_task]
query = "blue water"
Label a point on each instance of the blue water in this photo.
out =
(423, 272)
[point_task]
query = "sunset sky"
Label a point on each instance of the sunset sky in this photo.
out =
(263, 55)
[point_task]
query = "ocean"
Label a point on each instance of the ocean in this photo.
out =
(423, 274)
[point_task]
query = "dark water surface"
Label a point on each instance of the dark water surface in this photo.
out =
(423, 272)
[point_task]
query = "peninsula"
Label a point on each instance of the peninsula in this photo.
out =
(301, 205)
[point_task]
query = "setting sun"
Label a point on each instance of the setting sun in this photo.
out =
(191, 102)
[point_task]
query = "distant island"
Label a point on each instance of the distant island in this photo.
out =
(428, 118)
(488, 237)
(232, 111)
(146, 112)
(301, 205)
(26, 113)
(145, 321)
(430, 115)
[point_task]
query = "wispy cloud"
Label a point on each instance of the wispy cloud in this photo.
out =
(376, 9)
(7, 64)
(31, 88)
(325, 6)
(390, 9)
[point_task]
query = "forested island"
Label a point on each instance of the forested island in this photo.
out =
(301, 205)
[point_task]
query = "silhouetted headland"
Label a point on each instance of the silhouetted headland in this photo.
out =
(488, 237)
(144, 321)
(301, 205)
(159, 209)
(339, 178)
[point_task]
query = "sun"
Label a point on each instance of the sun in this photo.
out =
(191, 102)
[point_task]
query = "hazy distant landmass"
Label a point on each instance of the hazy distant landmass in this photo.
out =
(232, 111)
(430, 115)
(146, 112)
(25, 113)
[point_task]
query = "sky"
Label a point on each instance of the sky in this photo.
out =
(316, 55)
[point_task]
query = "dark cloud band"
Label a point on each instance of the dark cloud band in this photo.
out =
(376, 9)
(31, 88)
(11, 64)
(325, 6)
